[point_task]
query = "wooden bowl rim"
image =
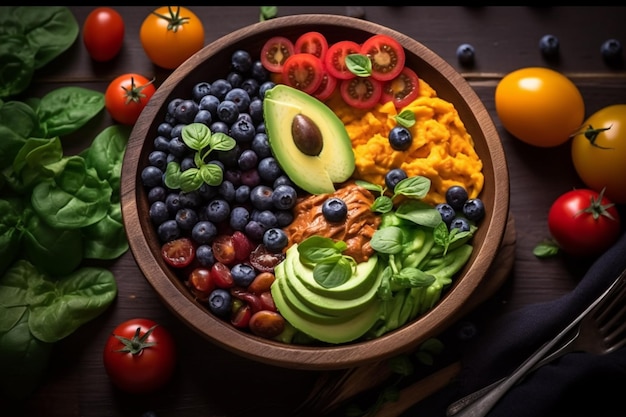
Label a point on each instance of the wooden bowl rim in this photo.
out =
(223, 334)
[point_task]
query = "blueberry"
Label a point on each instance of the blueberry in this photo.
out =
(173, 203)
(611, 51)
(460, 223)
(284, 197)
(240, 97)
(158, 159)
(186, 218)
(227, 112)
(186, 111)
(217, 210)
(220, 302)
(220, 87)
(268, 85)
(187, 162)
(243, 274)
(393, 177)
(168, 231)
(158, 212)
(157, 193)
(178, 148)
(261, 145)
(474, 209)
(447, 212)
(204, 117)
(227, 190)
(233, 176)
(269, 169)
(283, 218)
(275, 239)
(177, 130)
(151, 176)
(203, 232)
(255, 230)
(190, 199)
(219, 126)
(456, 196)
(400, 138)
(255, 109)
(282, 180)
(161, 143)
(204, 255)
(210, 103)
(242, 193)
(466, 54)
(248, 159)
(267, 218)
(242, 130)
(239, 217)
(334, 210)
(261, 197)
(251, 178)
(172, 104)
(235, 79)
(549, 46)
(259, 72)
(200, 90)
(251, 86)
(164, 129)
(241, 61)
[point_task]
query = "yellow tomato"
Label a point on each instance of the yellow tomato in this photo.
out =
(599, 152)
(171, 34)
(539, 106)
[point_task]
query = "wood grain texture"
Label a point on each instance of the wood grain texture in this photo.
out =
(209, 380)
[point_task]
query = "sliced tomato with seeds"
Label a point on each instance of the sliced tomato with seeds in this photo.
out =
(361, 92)
(241, 316)
(304, 72)
(263, 260)
(402, 90)
(327, 88)
(335, 59)
(313, 43)
(386, 54)
(275, 52)
(178, 253)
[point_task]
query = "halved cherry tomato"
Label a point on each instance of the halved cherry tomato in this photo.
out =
(386, 54)
(335, 59)
(241, 316)
(221, 276)
(275, 52)
(312, 43)
(402, 90)
(361, 92)
(200, 283)
(304, 72)
(224, 249)
(178, 252)
(327, 88)
(263, 260)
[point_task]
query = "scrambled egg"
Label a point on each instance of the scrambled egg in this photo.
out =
(442, 150)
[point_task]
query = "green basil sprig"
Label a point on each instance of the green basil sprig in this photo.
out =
(331, 267)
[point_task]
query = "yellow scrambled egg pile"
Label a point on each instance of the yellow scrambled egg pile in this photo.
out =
(442, 150)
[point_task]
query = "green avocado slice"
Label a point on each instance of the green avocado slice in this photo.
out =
(317, 173)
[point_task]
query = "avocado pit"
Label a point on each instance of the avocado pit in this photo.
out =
(306, 135)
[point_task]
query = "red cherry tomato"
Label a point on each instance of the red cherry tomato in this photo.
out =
(268, 324)
(304, 72)
(126, 96)
(313, 43)
(326, 88)
(387, 56)
(103, 33)
(224, 249)
(402, 90)
(241, 316)
(200, 283)
(275, 52)
(139, 356)
(335, 60)
(221, 276)
(178, 252)
(361, 92)
(583, 222)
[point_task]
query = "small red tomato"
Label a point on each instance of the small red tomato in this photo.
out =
(221, 276)
(313, 43)
(387, 56)
(326, 88)
(126, 96)
(335, 59)
(268, 324)
(179, 252)
(139, 356)
(361, 92)
(103, 33)
(583, 222)
(402, 90)
(304, 72)
(275, 52)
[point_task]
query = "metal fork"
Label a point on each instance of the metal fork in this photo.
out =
(601, 329)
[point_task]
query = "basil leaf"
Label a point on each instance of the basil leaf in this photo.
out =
(332, 274)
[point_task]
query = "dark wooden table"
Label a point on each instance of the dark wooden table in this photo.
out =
(212, 382)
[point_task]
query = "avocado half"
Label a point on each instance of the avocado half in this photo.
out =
(286, 110)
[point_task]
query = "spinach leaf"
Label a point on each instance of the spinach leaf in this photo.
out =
(75, 198)
(76, 299)
(106, 155)
(106, 239)
(31, 37)
(19, 117)
(10, 233)
(66, 109)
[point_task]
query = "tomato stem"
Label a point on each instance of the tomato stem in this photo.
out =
(591, 134)
(597, 209)
(137, 343)
(135, 93)
(174, 20)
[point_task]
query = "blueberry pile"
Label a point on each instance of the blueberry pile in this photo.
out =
(254, 196)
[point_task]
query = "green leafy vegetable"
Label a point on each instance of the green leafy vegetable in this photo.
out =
(330, 267)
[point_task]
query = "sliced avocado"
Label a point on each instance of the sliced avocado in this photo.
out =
(359, 284)
(308, 140)
(341, 332)
(294, 301)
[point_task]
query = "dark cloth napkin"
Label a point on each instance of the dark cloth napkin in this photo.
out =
(576, 384)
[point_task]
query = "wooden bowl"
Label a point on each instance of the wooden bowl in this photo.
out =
(211, 63)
